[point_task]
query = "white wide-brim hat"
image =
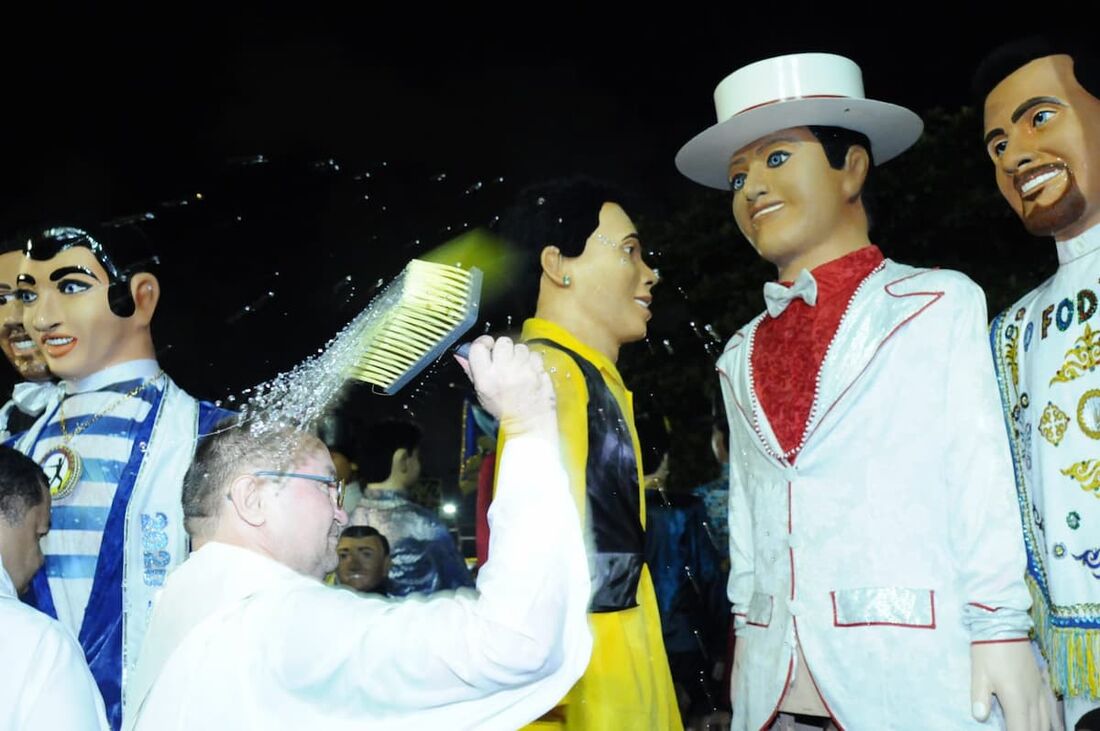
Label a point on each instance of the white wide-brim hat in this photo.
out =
(799, 90)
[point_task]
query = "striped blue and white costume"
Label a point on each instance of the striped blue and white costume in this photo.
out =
(77, 520)
(116, 535)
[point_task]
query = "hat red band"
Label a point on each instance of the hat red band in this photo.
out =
(791, 99)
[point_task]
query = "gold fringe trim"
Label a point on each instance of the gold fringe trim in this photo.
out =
(1073, 655)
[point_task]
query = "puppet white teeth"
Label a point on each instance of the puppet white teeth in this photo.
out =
(767, 210)
(58, 341)
(643, 303)
(1038, 180)
(25, 344)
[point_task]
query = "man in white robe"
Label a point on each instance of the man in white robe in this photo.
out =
(44, 681)
(245, 635)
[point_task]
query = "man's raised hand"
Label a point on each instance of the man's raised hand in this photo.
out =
(512, 385)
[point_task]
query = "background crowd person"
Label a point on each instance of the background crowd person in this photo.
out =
(364, 556)
(425, 557)
(689, 579)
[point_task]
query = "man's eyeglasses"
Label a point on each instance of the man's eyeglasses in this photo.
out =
(334, 484)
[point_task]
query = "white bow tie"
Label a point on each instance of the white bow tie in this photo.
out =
(778, 296)
(33, 398)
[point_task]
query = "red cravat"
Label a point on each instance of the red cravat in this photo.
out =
(788, 350)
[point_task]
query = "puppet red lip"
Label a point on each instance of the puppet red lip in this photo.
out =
(57, 346)
(1031, 183)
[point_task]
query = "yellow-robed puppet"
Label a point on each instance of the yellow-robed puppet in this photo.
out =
(594, 296)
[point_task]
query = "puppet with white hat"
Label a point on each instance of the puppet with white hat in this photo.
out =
(876, 565)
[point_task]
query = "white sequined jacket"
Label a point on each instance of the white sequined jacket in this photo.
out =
(893, 542)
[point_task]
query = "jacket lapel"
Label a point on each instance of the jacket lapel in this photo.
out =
(735, 370)
(888, 299)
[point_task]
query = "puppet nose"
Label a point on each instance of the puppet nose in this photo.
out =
(42, 315)
(1016, 157)
(755, 186)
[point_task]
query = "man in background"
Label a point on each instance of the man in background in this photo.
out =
(44, 681)
(425, 557)
(364, 556)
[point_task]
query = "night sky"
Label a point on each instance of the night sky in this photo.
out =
(110, 115)
(278, 121)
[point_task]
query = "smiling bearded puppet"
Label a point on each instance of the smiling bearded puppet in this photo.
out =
(31, 396)
(584, 266)
(114, 450)
(1042, 132)
(876, 568)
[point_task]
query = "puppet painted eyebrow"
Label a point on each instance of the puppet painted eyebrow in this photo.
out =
(1021, 111)
(25, 279)
(995, 132)
(1033, 102)
(631, 236)
(62, 272)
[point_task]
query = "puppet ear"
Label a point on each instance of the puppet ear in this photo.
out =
(553, 266)
(145, 289)
(856, 165)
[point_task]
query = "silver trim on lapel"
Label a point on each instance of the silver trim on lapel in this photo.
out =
(735, 366)
(873, 316)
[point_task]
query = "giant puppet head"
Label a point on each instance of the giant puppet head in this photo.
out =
(1042, 132)
(88, 296)
(794, 144)
(584, 259)
(18, 346)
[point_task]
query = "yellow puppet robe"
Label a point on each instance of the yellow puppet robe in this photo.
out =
(627, 685)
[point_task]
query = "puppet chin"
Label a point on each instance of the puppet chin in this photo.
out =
(1063, 213)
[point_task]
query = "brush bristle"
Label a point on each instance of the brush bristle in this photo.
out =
(436, 304)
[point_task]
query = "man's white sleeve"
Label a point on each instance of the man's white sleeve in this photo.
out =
(495, 658)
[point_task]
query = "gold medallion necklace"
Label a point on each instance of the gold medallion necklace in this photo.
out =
(63, 464)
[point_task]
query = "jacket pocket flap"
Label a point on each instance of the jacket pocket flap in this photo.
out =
(760, 610)
(891, 605)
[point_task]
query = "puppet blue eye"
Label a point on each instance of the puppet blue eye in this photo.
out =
(737, 182)
(1042, 117)
(999, 148)
(72, 286)
(777, 158)
(26, 296)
